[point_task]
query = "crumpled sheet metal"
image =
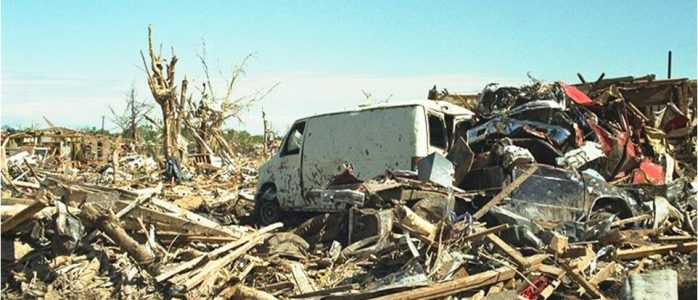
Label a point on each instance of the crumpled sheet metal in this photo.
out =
(516, 155)
(649, 172)
(577, 158)
(505, 127)
(576, 95)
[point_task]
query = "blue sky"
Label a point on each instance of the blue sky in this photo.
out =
(68, 60)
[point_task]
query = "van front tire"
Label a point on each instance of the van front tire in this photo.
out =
(267, 208)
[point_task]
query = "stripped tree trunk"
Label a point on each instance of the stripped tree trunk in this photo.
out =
(162, 85)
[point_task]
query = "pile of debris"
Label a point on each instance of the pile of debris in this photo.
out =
(549, 194)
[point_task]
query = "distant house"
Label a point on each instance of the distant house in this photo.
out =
(63, 143)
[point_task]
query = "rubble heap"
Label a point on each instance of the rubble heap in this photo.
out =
(549, 194)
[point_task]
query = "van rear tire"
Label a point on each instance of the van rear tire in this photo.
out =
(267, 208)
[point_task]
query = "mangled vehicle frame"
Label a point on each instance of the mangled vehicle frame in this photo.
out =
(373, 139)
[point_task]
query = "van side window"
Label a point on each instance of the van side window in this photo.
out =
(294, 140)
(437, 132)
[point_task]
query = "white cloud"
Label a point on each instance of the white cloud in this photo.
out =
(78, 102)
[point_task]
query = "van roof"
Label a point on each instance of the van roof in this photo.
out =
(442, 106)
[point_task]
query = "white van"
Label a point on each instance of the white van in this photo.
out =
(375, 138)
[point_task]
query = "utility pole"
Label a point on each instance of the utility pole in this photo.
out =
(669, 66)
(102, 123)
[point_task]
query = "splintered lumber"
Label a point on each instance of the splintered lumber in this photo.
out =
(302, 280)
(211, 269)
(444, 289)
(8, 211)
(651, 250)
(179, 238)
(485, 232)
(23, 215)
(194, 218)
(505, 192)
(88, 274)
(604, 273)
(15, 201)
(447, 288)
(6, 178)
(127, 209)
(631, 220)
(113, 230)
(591, 288)
(169, 221)
(25, 184)
(341, 288)
(414, 233)
(423, 227)
(549, 289)
(553, 271)
(510, 252)
(190, 264)
(240, 291)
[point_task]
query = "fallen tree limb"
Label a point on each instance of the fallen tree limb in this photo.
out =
(110, 226)
(127, 209)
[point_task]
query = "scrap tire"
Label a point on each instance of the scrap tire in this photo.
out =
(267, 211)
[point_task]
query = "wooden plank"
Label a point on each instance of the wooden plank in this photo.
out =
(651, 250)
(113, 230)
(6, 179)
(505, 192)
(548, 290)
(127, 209)
(302, 280)
(213, 266)
(631, 220)
(23, 215)
(583, 262)
(149, 215)
(26, 162)
(591, 289)
(215, 253)
(15, 201)
(180, 238)
(494, 289)
(676, 238)
(553, 271)
(443, 289)
(510, 252)
(194, 218)
(341, 288)
(25, 184)
(485, 232)
(415, 234)
(604, 273)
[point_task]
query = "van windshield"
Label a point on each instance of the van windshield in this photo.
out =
(294, 140)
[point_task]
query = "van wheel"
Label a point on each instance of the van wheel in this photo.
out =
(267, 207)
